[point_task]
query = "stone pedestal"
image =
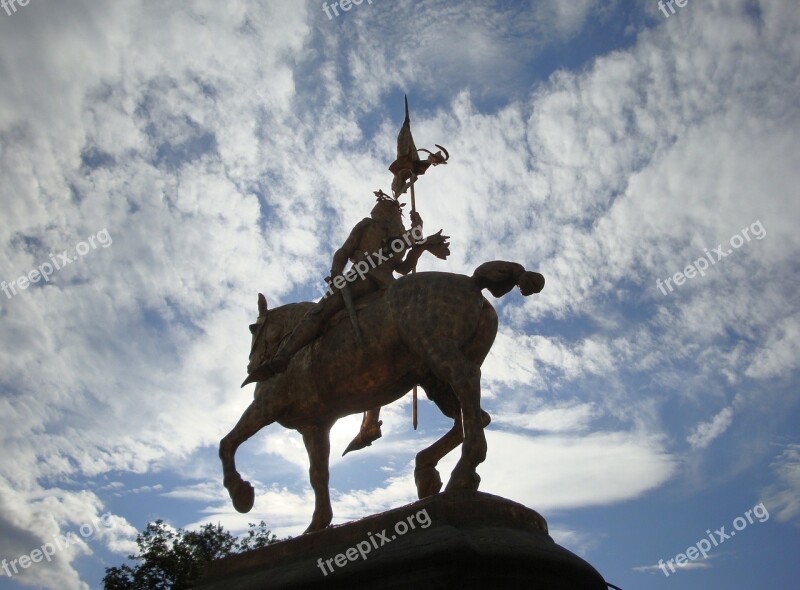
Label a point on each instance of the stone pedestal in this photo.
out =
(472, 540)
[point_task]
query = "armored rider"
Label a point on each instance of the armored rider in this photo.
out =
(372, 246)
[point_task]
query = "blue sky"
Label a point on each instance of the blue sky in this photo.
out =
(191, 154)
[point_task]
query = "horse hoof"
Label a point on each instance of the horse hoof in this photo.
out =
(313, 528)
(469, 481)
(243, 496)
(317, 524)
(428, 481)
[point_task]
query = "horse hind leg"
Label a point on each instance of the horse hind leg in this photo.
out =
(449, 364)
(426, 476)
(254, 418)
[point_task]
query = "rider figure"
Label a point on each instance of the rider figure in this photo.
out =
(369, 239)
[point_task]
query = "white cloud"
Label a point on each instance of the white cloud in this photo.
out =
(783, 497)
(781, 350)
(563, 471)
(688, 565)
(704, 433)
(568, 418)
(576, 541)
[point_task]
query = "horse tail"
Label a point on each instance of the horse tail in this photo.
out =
(500, 276)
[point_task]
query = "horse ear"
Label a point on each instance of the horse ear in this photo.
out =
(262, 305)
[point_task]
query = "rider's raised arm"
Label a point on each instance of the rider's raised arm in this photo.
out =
(437, 244)
(410, 261)
(416, 222)
(349, 248)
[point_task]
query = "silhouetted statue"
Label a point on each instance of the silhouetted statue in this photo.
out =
(371, 339)
(431, 328)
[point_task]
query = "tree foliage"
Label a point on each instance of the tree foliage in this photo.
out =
(172, 559)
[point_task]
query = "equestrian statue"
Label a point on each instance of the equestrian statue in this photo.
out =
(373, 338)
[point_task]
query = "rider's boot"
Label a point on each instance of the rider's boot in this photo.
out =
(370, 431)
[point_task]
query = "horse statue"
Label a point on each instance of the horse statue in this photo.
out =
(432, 329)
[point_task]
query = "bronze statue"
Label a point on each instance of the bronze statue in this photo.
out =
(432, 328)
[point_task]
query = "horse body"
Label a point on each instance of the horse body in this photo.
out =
(432, 329)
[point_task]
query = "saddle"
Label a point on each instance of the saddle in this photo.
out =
(359, 304)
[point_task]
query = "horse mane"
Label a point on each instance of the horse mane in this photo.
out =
(285, 318)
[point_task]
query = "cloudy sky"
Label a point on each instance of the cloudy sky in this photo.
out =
(185, 155)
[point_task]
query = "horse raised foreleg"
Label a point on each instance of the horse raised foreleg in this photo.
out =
(253, 420)
(318, 445)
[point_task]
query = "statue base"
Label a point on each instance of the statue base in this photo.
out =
(450, 540)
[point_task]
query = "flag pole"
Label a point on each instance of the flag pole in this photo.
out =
(413, 271)
(408, 161)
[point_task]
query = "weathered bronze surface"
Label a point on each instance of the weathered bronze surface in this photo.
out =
(373, 338)
(432, 328)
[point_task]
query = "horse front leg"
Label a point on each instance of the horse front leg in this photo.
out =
(317, 439)
(253, 419)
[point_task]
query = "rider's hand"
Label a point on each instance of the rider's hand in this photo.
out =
(436, 238)
(415, 219)
(440, 250)
(438, 245)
